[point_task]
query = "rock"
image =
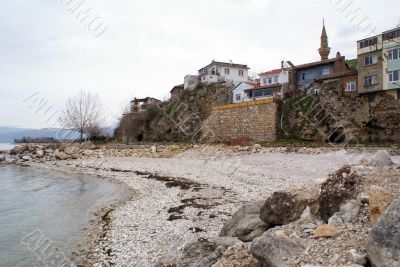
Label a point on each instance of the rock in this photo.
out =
(87, 153)
(256, 148)
(380, 199)
(306, 216)
(198, 253)
(226, 241)
(60, 155)
(325, 230)
(285, 207)
(336, 190)
(26, 158)
(335, 219)
(358, 258)
(19, 149)
(2, 157)
(160, 149)
(383, 246)
(153, 149)
(349, 211)
(380, 158)
(237, 255)
(39, 153)
(363, 198)
(276, 251)
(245, 223)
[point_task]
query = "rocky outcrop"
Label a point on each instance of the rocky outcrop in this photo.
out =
(340, 187)
(286, 207)
(245, 223)
(2, 157)
(383, 247)
(277, 251)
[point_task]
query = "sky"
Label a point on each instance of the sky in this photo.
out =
(52, 49)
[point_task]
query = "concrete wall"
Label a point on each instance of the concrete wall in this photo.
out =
(256, 120)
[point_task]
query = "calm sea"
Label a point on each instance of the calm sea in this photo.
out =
(6, 146)
(38, 205)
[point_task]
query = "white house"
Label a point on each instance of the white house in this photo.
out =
(216, 72)
(278, 76)
(239, 91)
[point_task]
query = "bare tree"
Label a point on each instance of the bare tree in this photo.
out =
(82, 113)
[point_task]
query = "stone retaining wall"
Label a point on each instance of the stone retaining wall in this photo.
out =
(256, 120)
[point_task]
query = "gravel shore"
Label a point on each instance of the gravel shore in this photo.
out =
(181, 199)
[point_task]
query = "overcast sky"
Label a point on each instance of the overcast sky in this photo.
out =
(144, 48)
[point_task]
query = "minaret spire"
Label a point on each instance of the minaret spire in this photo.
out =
(324, 49)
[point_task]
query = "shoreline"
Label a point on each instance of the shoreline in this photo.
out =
(176, 201)
(83, 253)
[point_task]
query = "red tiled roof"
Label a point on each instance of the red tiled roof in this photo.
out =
(256, 85)
(271, 72)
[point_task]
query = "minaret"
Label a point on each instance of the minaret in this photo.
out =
(324, 50)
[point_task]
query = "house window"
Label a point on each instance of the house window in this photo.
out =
(394, 76)
(369, 42)
(238, 97)
(241, 73)
(265, 80)
(325, 71)
(269, 80)
(394, 54)
(370, 60)
(276, 79)
(370, 80)
(351, 86)
(227, 71)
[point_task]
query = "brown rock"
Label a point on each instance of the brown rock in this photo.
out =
(326, 230)
(285, 207)
(379, 200)
(60, 156)
(340, 187)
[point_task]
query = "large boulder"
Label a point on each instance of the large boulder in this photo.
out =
(245, 223)
(383, 243)
(277, 251)
(380, 158)
(286, 207)
(379, 201)
(340, 187)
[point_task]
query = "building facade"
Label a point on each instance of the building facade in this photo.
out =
(141, 105)
(370, 65)
(176, 92)
(220, 72)
(239, 91)
(391, 62)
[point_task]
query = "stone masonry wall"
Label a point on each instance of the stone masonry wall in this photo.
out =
(256, 120)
